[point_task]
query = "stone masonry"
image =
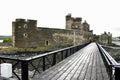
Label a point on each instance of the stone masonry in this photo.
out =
(25, 33)
(105, 38)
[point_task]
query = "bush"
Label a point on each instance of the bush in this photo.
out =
(7, 40)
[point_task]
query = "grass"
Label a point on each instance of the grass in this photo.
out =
(11, 49)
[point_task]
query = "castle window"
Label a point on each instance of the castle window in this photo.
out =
(46, 43)
(19, 26)
(25, 35)
(25, 25)
(76, 26)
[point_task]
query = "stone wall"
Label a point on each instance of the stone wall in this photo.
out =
(105, 38)
(27, 34)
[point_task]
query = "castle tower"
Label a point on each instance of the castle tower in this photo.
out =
(16, 30)
(22, 31)
(69, 21)
(109, 38)
(73, 23)
(32, 24)
(85, 26)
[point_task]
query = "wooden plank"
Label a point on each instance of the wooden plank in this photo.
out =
(93, 72)
(80, 69)
(103, 69)
(85, 68)
(63, 73)
(76, 67)
(60, 64)
(89, 69)
(86, 64)
(54, 68)
(60, 69)
(99, 72)
(81, 65)
(67, 71)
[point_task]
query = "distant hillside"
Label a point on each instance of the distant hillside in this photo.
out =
(3, 37)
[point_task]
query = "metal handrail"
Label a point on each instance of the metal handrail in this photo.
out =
(36, 56)
(48, 53)
(112, 66)
(25, 62)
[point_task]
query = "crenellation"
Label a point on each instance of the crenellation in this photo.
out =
(73, 23)
(77, 19)
(68, 17)
(20, 20)
(105, 38)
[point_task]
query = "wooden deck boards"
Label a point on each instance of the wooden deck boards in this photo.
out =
(86, 64)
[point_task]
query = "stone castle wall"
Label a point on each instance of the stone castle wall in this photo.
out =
(27, 34)
(105, 38)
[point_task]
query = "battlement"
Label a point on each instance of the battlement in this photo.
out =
(68, 17)
(31, 21)
(77, 19)
(20, 20)
(73, 23)
(85, 22)
(24, 20)
(24, 24)
(105, 38)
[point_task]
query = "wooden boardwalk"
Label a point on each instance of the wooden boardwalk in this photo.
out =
(86, 64)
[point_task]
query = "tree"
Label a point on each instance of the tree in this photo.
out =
(7, 40)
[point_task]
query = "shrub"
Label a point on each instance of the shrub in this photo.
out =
(7, 40)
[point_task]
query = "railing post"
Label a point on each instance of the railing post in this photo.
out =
(73, 49)
(66, 55)
(0, 67)
(61, 55)
(110, 70)
(43, 63)
(67, 52)
(24, 70)
(77, 48)
(117, 73)
(54, 59)
(70, 51)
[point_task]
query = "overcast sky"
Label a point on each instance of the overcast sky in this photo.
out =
(102, 15)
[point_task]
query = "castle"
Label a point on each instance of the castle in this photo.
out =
(27, 34)
(105, 38)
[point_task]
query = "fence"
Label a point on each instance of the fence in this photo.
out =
(112, 67)
(31, 67)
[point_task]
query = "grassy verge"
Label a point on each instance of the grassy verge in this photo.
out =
(11, 49)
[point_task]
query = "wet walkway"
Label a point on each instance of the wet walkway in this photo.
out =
(86, 64)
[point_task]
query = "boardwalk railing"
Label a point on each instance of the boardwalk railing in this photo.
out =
(112, 67)
(31, 67)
